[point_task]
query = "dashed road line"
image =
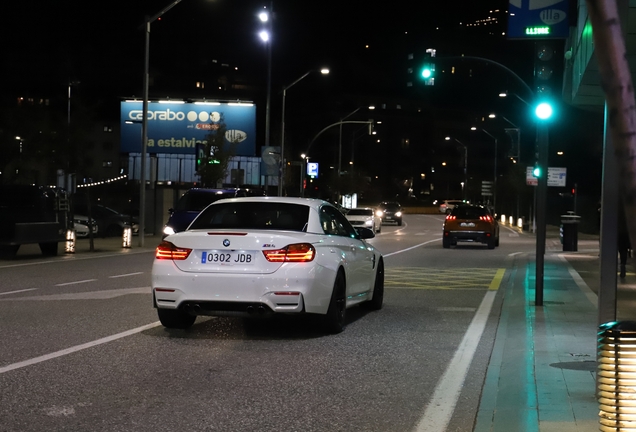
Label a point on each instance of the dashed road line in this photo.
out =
(76, 282)
(18, 291)
(125, 275)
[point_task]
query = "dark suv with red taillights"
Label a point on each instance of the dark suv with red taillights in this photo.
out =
(469, 223)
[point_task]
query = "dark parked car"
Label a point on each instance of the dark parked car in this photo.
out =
(391, 212)
(110, 223)
(192, 202)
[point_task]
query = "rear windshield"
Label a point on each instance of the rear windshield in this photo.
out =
(360, 212)
(197, 201)
(465, 212)
(390, 206)
(253, 216)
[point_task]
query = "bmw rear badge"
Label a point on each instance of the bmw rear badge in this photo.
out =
(226, 242)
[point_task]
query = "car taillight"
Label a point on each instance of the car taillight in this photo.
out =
(486, 218)
(167, 250)
(451, 217)
(300, 252)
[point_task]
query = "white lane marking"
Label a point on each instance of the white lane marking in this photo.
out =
(69, 258)
(18, 291)
(587, 291)
(91, 295)
(514, 233)
(125, 275)
(514, 253)
(76, 348)
(441, 406)
(411, 248)
(76, 282)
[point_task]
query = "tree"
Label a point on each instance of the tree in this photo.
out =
(616, 82)
(218, 153)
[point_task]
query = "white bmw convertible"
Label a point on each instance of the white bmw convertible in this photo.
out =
(263, 256)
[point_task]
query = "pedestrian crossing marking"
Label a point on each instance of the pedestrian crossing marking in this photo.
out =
(444, 279)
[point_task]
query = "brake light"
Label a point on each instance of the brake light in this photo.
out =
(167, 250)
(451, 217)
(300, 252)
(486, 218)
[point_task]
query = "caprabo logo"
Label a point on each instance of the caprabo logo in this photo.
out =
(157, 115)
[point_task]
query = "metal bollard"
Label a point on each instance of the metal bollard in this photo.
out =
(70, 241)
(616, 376)
(127, 237)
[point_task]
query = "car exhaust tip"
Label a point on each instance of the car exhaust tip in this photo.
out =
(250, 310)
(261, 310)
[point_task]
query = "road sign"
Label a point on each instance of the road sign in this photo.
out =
(556, 177)
(530, 179)
(538, 19)
(312, 169)
(486, 188)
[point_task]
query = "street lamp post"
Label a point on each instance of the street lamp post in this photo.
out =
(303, 173)
(266, 36)
(281, 170)
(340, 139)
(494, 184)
(465, 163)
(144, 126)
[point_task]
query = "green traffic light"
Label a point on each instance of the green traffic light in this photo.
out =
(543, 111)
(426, 73)
(536, 172)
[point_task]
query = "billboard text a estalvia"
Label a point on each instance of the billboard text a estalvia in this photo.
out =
(176, 128)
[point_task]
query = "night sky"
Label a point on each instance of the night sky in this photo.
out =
(47, 42)
(363, 42)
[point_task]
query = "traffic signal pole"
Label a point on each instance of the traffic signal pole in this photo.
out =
(542, 193)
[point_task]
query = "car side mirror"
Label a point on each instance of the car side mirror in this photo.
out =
(365, 233)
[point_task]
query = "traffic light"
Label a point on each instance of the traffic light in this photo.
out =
(421, 68)
(427, 72)
(536, 172)
(200, 154)
(548, 68)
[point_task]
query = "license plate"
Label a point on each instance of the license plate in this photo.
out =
(227, 258)
(467, 224)
(389, 218)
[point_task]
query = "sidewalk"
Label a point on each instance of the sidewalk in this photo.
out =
(541, 375)
(83, 248)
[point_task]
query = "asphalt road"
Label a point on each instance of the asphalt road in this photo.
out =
(82, 349)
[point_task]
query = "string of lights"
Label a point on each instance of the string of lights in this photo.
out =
(101, 182)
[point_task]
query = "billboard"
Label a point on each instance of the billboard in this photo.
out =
(538, 19)
(177, 127)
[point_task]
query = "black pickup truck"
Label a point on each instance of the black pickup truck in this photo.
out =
(32, 214)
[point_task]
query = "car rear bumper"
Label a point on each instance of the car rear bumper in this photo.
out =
(468, 236)
(291, 289)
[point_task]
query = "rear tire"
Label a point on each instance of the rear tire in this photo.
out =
(497, 241)
(378, 290)
(174, 318)
(446, 243)
(491, 243)
(334, 321)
